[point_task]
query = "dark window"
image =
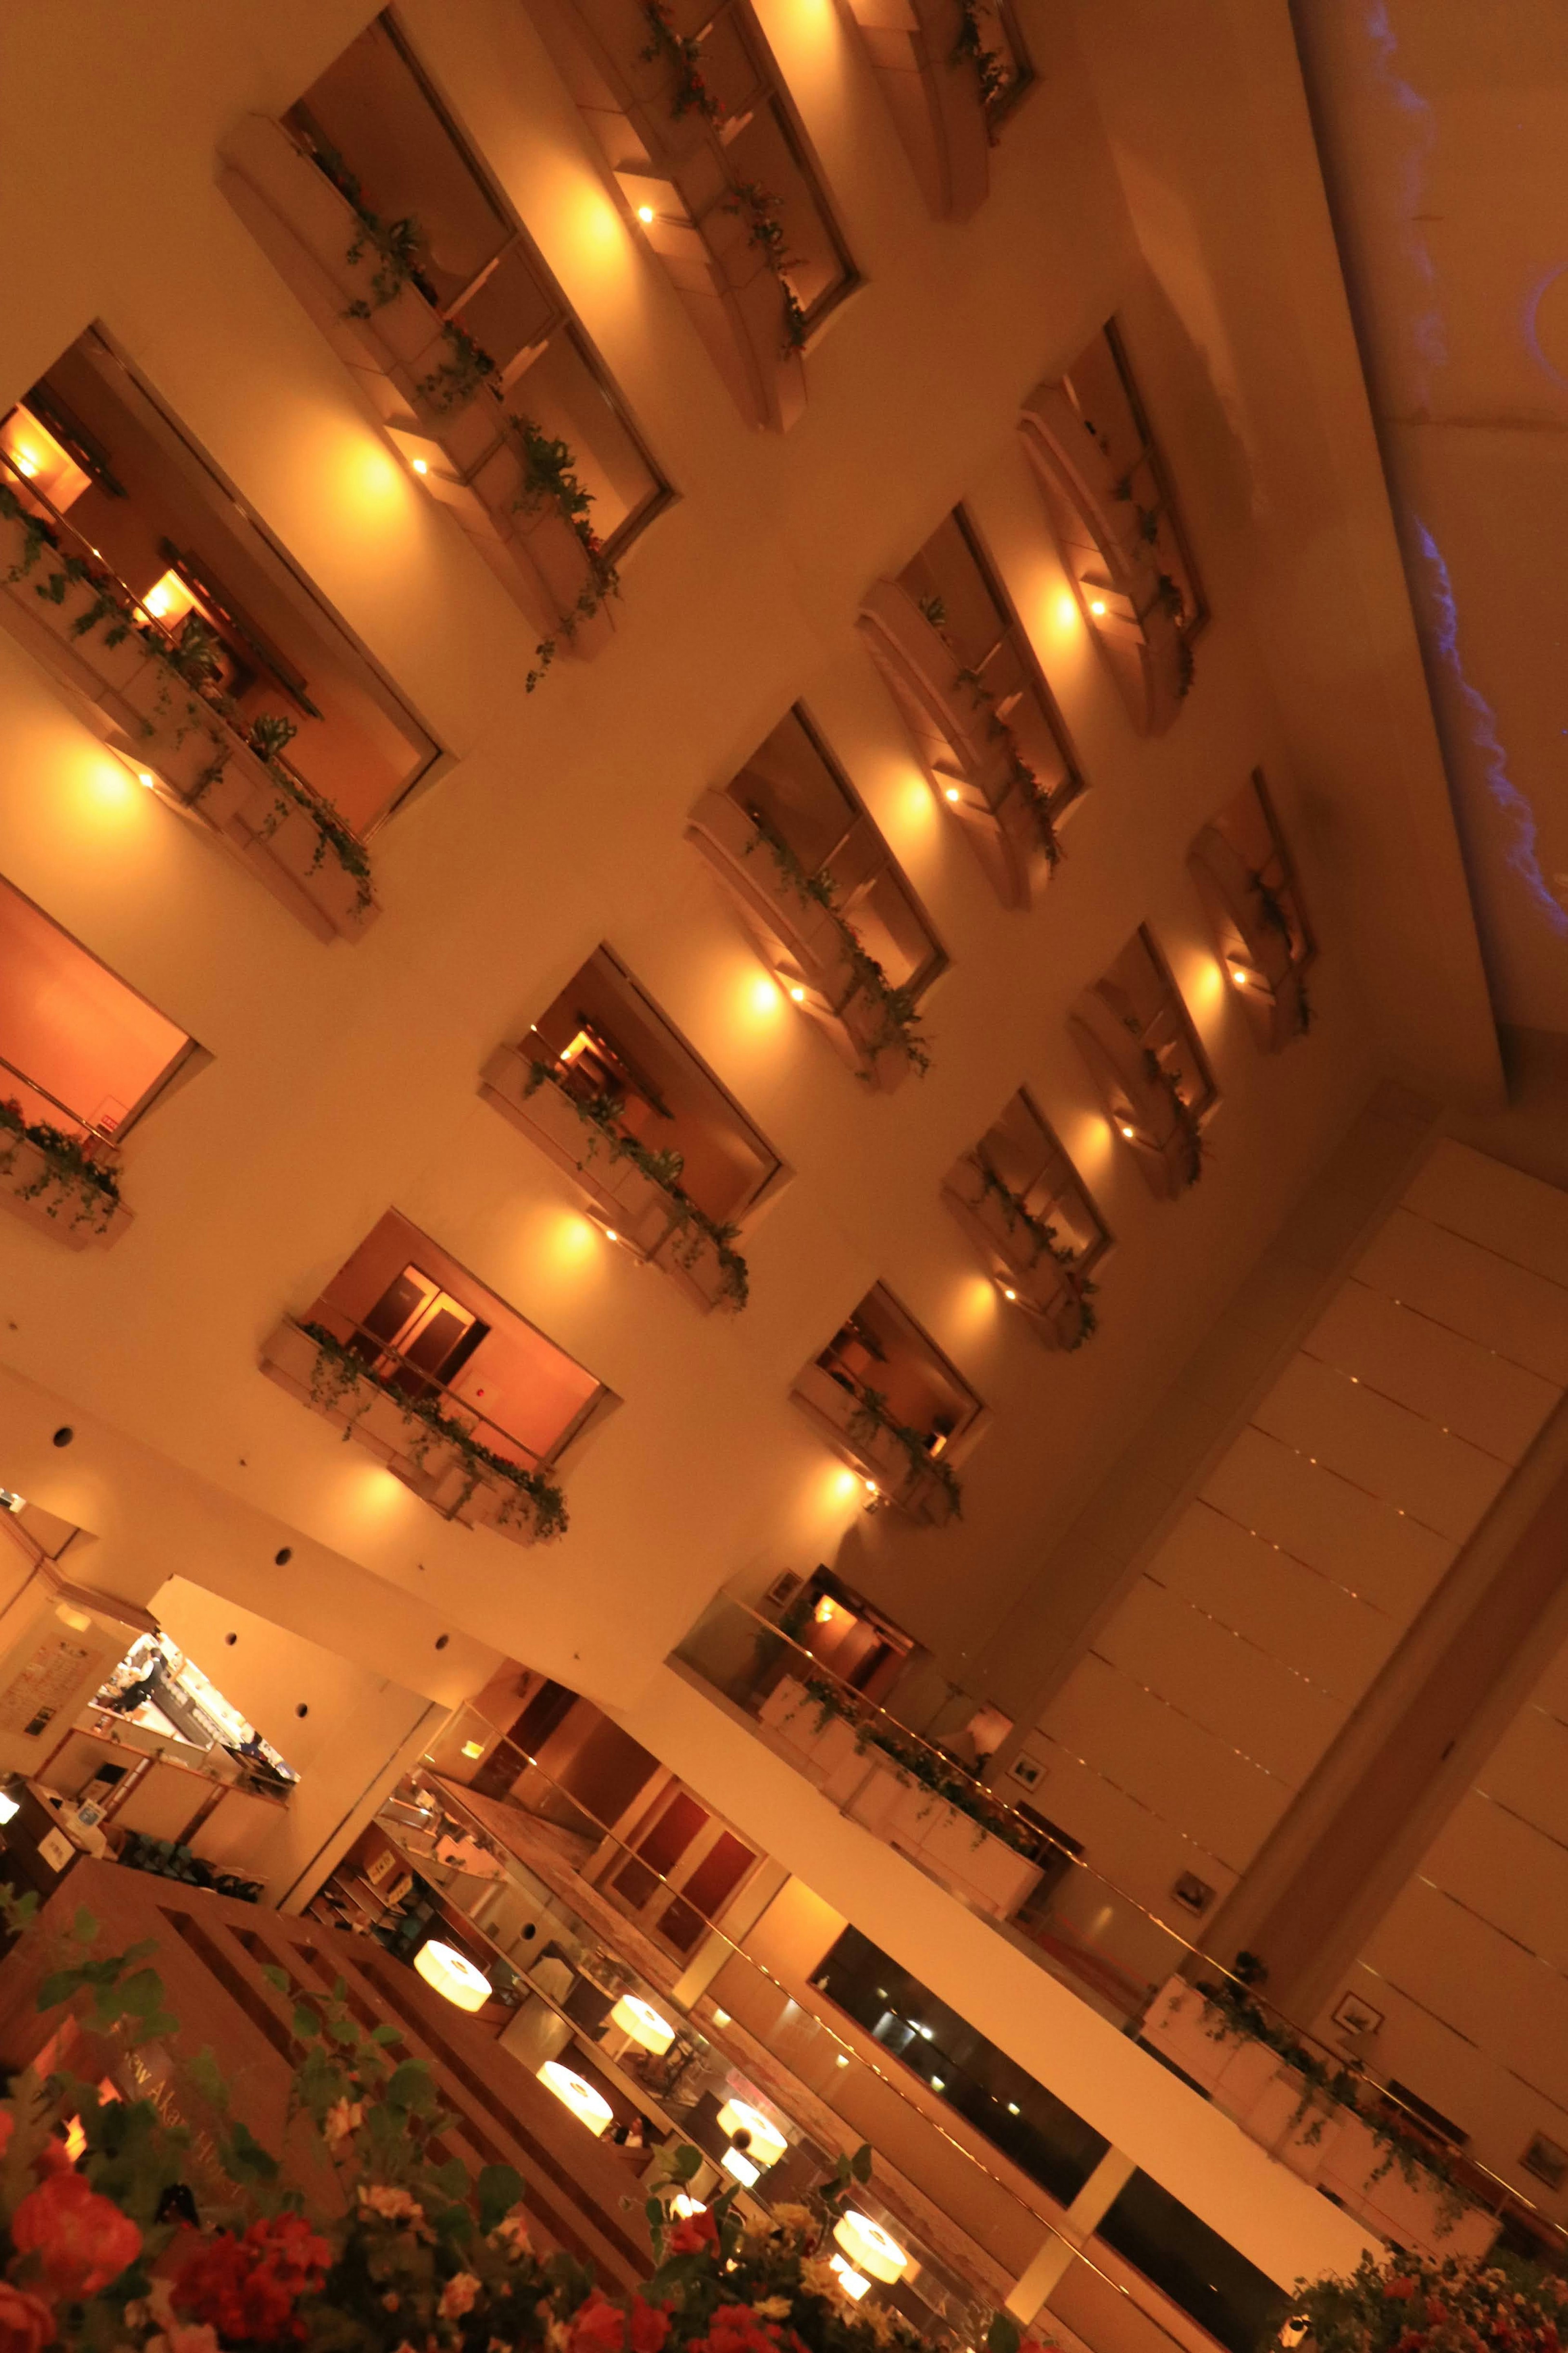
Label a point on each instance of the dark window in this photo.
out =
(1238, 2304)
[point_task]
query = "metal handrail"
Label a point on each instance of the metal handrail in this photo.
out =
(1498, 2196)
(91, 1131)
(452, 1406)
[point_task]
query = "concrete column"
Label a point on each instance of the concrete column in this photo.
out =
(1082, 2219)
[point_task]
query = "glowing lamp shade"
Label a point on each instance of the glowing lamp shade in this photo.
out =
(10, 1807)
(871, 2248)
(453, 1975)
(747, 2173)
(767, 2143)
(169, 600)
(683, 2208)
(854, 2284)
(589, 2108)
(643, 2024)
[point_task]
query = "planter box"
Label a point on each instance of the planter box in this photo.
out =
(875, 1453)
(30, 1189)
(1110, 564)
(798, 938)
(432, 1466)
(1115, 1061)
(307, 229)
(621, 1196)
(977, 1863)
(1273, 998)
(1041, 1282)
(933, 97)
(1177, 2026)
(951, 736)
(792, 1717)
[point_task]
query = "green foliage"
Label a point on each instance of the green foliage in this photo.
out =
(466, 370)
(70, 1174)
(760, 210)
(1033, 793)
(1189, 1137)
(1077, 1287)
(972, 49)
(691, 94)
(897, 1013)
(339, 1374)
(692, 1226)
(550, 481)
(1501, 2303)
(871, 1415)
(918, 1762)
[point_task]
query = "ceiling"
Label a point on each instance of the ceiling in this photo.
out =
(1443, 127)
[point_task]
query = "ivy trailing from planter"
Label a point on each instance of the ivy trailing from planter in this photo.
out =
(189, 661)
(1190, 1136)
(339, 1374)
(69, 1172)
(871, 1417)
(1076, 1285)
(1271, 907)
(1237, 2017)
(972, 49)
(933, 609)
(898, 1012)
(692, 95)
(760, 210)
(602, 1115)
(550, 481)
(917, 1761)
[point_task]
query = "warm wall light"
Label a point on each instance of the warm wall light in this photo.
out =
(1097, 607)
(745, 2172)
(720, 2018)
(854, 2284)
(589, 2108)
(473, 1747)
(452, 1975)
(1128, 1132)
(168, 599)
(871, 2248)
(9, 1807)
(611, 1234)
(767, 2143)
(797, 994)
(871, 1487)
(643, 2024)
(950, 793)
(683, 2207)
(1067, 612)
(826, 1610)
(1008, 1292)
(420, 464)
(644, 213)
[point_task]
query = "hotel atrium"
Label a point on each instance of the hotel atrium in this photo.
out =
(783, 1102)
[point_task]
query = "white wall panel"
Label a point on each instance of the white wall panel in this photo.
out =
(1338, 1639)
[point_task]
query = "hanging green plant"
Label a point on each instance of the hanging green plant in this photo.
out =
(871, 1416)
(972, 48)
(1075, 1284)
(1193, 1148)
(70, 1174)
(760, 209)
(897, 1017)
(1033, 793)
(693, 1227)
(550, 481)
(340, 1375)
(691, 95)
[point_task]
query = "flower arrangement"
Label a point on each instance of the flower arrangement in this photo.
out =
(897, 1014)
(106, 2250)
(69, 1173)
(189, 667)
(601, 1114)
(340, 1375)
(550, 481)
(1408, 2304)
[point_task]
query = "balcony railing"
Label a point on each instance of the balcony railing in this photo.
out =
(1381, 2160)
(177, 730)
(971, 2230)
(61, 1175)
(455, 1459)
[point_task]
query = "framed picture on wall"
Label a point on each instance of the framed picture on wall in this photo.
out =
(1353, 2016)
(1027, 1770)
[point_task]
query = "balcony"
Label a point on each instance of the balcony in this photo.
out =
(819, 893)
(83, 1058)
(979, 712)
(1141, 1050)
(668, 1163)
(134, 579)
(697, 127)
(948, 73)
(1021, 1202)
(892, 1407)
(1105, 489)
(445, 1385)
(399, 245)
(1244, 876)
(1336, 2125)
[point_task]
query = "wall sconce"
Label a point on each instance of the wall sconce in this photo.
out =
(640, 2020)
(453, 1976)
(589, 2108)
(169, 600)
(871, 2248)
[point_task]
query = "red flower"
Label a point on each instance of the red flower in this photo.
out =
(651, 2326)
(698, 2231)
(597, 2326)
(736, 2328)
(247, 2289)
(26, 2323)
(83, 2241)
